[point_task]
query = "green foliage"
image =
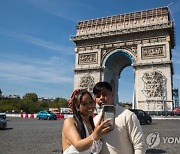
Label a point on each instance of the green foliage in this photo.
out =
(6, 105)
(126, 105)
(30, 104)
(58, 103)
(30, 96)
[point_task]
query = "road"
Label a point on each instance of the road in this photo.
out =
(169, 136)
(32, 136)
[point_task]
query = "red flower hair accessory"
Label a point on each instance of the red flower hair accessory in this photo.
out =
(70, 102)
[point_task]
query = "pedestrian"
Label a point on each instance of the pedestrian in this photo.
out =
(79, 134)
(127, 136)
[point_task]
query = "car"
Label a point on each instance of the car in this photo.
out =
(144, 117)
(176, 110)
(3, 123)
(2, 115)
(46, 115)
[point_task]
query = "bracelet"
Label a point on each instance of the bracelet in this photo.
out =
(92, 138)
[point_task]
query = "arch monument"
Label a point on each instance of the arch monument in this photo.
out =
(142, 40)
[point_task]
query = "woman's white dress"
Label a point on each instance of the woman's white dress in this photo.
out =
(94, 149)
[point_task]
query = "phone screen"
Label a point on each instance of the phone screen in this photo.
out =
(109, 112)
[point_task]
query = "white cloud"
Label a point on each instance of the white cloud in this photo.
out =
(39, 42)
(37, 70)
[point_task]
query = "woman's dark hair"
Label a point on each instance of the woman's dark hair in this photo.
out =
(100, 85)
(75, 102)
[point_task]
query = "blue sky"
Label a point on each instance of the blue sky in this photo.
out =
(37, 55)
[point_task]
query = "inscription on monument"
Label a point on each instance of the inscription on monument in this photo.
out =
(153, 52)
(88, 58)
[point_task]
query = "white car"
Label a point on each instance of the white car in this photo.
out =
(2, 115)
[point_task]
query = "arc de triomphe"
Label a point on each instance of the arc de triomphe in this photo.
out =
(143, 40)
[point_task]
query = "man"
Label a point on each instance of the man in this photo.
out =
(127, 136)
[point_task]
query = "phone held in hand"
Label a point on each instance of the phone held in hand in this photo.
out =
(109, 112)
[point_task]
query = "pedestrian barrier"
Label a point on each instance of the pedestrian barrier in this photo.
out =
(34, 115)
(26, 116)
(60, 116)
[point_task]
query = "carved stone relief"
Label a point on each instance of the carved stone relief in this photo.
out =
(131, 49)
(87, 82)
(88, 58)
(153, 52)
(154, 84)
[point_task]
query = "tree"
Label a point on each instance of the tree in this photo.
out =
(58, 103)
(9, 104)
(31, 96)
(63, 102)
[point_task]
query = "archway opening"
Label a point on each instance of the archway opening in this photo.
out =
(126, 85)
(119, 72)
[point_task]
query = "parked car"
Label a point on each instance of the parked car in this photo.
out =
(144, 117)
(176, 110)
(3, 123)
(2, 115)
(46, 115)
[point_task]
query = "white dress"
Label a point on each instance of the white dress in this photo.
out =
(94, 149)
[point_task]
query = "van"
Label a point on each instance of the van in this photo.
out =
(144, 117)
(54, 110)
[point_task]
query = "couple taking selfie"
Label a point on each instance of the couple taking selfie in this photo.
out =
(115, 130)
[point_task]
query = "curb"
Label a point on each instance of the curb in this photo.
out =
(165, 117)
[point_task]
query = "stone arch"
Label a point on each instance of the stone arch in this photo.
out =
(126, 51)
(113, 63)
(142, 39)
(122, 51)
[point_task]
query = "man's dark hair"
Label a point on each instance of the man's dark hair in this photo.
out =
(100, 85)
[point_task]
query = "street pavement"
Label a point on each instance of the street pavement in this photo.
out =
(32, 136)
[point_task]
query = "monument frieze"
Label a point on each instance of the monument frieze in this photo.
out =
(88, 58)
(153, 52)
(131, 49)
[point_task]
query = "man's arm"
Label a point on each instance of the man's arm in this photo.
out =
(136, 134)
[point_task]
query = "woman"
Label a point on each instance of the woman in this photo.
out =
(79, 135)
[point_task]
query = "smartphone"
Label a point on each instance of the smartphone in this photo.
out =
(109, 112)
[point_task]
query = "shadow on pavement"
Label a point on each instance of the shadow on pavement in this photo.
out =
(155, 151)
(57, 151)
(6, 128)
